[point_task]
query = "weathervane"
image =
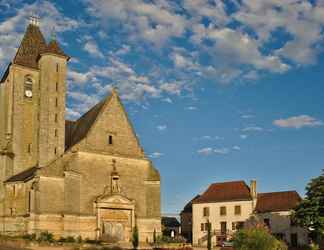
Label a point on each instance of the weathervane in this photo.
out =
(34, 19)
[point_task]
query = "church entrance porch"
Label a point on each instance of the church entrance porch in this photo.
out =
(115, 218)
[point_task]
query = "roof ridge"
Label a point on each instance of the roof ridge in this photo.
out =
(280, 192)
(81, 127)
(225, 182)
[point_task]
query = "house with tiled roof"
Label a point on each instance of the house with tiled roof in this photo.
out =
(186, 220)
(89, 177)
(275, 209)
(228, 205)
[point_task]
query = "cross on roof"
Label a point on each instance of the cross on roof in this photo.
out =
(34, 20)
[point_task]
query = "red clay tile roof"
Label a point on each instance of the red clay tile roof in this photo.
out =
(277, 201)
(32, 45)
(226, 191)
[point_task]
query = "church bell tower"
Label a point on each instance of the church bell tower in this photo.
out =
(32, 98)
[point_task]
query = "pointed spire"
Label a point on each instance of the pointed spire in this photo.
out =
(53, 46)
(32, 44)
(53, 34)
(114, 91)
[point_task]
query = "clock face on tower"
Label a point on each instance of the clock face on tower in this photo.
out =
(28, 93)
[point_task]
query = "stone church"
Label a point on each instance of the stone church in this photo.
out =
(88, 177)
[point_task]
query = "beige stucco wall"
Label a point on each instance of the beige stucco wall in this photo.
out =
(215, 218)
(280, 224)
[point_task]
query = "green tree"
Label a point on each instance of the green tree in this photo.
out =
(309, 212)
(256, 239)
(154, 236)
(209, 236)
(135, 239)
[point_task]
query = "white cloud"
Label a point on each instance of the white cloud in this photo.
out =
(191, 108)
(92, 48)
(205, 151)
(209, 137)
(209, 151)
(152, 22)
(252, 128)
(298, 122)
(77, 77)
(171, 88)
(161, 127)
(247, 116)
(238, 148)
(222, 151)
(71, 114)
(300, 19)
(243, 136)
(168, 100)
(156, 155)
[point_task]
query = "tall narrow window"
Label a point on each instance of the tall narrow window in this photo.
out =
(29, 201)
(110, 140)
(29, 148)
(237, 210)
(56, 102)
(55, 119)
(55, 150)
(206, 211)
(56, 86)
(28, 87)
(57, 67)
(222, 211)
(55, 132)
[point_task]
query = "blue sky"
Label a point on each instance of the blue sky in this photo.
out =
(216, 90)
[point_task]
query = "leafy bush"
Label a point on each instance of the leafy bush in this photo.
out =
(135, 238)
(79, 239)
(88, 241)
(70, 239)
(311, 247)
(45, 237)
(256, 239)
(29, 236)
(167, 239)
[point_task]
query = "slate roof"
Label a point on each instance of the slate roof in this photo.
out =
(188, 206)
(78, 130)
(23, 176)
(170, 222)
(226, 191)
(32, 45)
(54, 48)
(277, 201)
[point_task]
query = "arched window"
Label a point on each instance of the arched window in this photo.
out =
(28, 87)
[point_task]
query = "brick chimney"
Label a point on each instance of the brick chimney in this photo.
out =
(253, 189)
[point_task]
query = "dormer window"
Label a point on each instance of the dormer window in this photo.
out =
(28, 87)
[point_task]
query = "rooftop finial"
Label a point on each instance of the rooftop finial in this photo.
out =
(53, 34)
(34, 19)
